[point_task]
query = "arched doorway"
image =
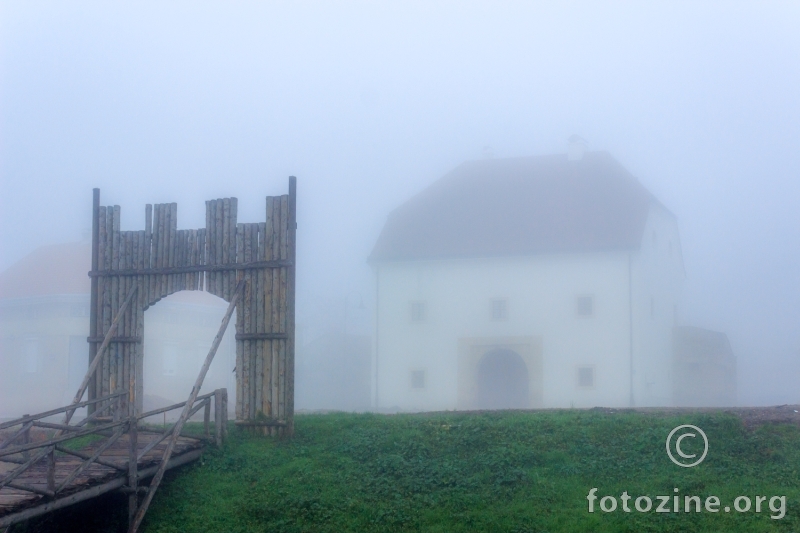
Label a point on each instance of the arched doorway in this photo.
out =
(502, 381)
(180, 328)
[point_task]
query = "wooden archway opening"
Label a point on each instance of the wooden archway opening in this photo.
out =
(161, 260)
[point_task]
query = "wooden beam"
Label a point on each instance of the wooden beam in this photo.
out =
(260, 336)
(27, 418)
(114, 339)
(253, 265)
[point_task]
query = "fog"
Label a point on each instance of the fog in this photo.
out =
(370, 103)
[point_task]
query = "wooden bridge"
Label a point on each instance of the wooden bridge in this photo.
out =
(42, 471)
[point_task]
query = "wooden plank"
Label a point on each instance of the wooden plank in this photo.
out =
(163, 248)
(93, 298)
(252, 265)
(154, 244)
(173, 242)
(124, 329)
(274, 384)
(148, 243)
(246, 390)
(232, 277)
(141, 296)
(208, 233)
(96, 387)
(225, 241)
(239, 323)
(157, 252)
(276, 216)
(218, 228)
(201, 257)
(192, 245)
(269, 242)
(258, 374)
(290, 302)
(281, 408)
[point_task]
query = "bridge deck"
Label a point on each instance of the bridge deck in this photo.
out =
(97, 479)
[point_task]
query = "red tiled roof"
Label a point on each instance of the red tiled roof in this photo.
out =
(530, 205)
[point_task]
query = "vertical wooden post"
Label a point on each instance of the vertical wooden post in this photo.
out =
(51, 469)
(290, 293)
(26, 439)
(133, 442)
(224, 415)
(133, 466)
(207, 417)
(218, 417)
(93, 293)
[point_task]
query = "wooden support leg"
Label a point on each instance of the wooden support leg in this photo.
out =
(207, 417)
(224, 415)
(51, 470)
(218, 417)
(133, 473)
(26, 439)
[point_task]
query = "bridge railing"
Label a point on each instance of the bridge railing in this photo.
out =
(24, 447)
(19, 448)
(219, 398)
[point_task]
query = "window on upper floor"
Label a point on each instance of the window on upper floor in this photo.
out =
(418, 311)
(585, 377)
(499, 309)
(585, 306)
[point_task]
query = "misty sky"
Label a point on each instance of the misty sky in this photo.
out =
(367, 103)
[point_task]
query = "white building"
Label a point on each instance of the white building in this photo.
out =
(547, 281)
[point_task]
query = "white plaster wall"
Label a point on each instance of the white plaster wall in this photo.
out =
(541, 293)
(658, 276)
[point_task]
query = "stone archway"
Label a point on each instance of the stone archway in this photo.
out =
(502, 381)
(148, 265)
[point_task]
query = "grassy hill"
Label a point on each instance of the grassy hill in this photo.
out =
(502, 471)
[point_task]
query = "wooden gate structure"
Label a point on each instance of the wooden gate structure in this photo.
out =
(161, 260)
(251, 266)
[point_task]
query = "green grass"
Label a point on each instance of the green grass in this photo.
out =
(515, 472)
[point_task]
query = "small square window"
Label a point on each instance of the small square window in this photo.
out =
(585, 305)
(499, 309)
(417, 379)
(418, 311)
(586, 377)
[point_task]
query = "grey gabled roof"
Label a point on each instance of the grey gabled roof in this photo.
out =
(520, 206)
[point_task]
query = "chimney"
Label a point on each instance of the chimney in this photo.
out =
(576, 147)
